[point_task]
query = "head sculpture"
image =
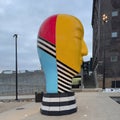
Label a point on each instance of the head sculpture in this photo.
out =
(61, 48)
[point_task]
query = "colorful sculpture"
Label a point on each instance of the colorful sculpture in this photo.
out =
(60, 48)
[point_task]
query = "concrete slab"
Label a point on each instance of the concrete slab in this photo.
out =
(91, 106)
(20, 98)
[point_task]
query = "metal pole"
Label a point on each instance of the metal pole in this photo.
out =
(104, 67)
(105, 20)
(16, 66)
(82, 85)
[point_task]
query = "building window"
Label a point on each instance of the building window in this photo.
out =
(114, 58)
(114, 13)
(114, 34)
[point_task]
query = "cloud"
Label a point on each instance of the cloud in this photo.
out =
(24, 17)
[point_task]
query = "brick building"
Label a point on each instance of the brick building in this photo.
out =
(106, 42)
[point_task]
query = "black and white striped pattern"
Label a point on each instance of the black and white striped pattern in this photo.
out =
(65, 75)
(46, 46)
(58, 104)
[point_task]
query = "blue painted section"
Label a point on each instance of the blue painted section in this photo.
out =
(49, 67)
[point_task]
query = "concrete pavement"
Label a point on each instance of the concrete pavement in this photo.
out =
(12, 98)
(91, 106)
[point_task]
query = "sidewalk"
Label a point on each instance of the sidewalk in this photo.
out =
(91, 106)
(20, 97)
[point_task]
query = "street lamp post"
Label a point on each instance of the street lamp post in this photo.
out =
(105, 20)
(16, 66)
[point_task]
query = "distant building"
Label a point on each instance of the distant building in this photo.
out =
(87, 67)
(106, 42)
(7, 71)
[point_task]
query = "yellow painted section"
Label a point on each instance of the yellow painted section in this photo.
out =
(84, 50)
(70, 47)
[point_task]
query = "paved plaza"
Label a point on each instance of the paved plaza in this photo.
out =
(91, 106)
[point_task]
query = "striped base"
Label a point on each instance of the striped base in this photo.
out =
(58, 104)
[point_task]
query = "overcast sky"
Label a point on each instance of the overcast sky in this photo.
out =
(24, 17)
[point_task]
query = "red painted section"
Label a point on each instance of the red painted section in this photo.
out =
(48, 29)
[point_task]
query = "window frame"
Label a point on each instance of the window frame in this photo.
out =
(113, 58)
(114, 34)
(114, 13)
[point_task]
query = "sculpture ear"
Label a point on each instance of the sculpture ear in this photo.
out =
(84, 50)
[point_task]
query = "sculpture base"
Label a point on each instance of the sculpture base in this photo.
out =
(58, 104)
